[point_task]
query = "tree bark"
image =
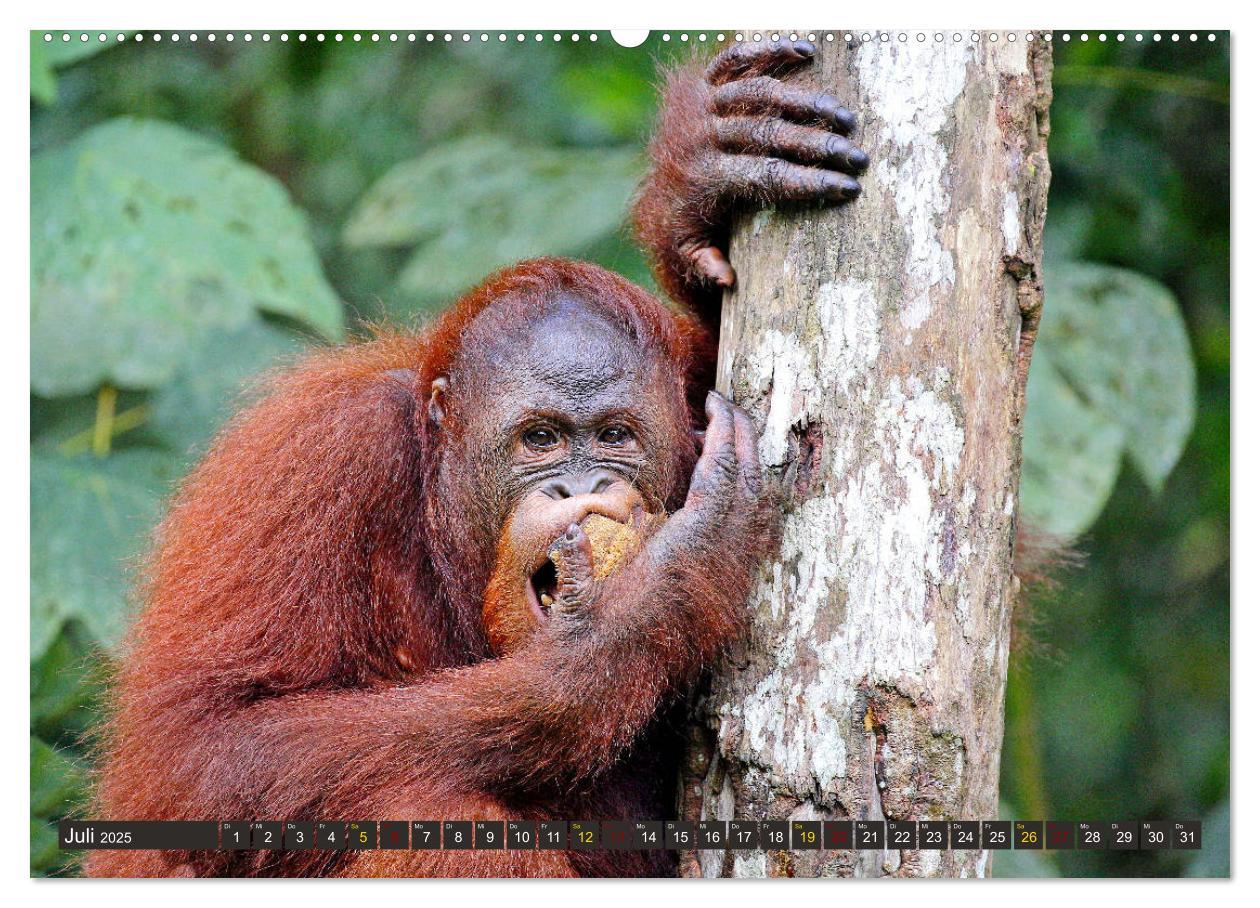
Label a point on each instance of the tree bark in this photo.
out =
(883, 348)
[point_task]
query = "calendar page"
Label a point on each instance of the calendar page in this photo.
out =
(545, 452)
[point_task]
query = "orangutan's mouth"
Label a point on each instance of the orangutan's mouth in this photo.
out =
(542, 587)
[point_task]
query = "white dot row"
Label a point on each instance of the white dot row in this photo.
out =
(376, 37)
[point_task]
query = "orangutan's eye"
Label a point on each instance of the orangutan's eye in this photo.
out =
(616, 436)
(541, 438)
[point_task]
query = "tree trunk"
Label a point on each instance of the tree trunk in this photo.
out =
(883, 348)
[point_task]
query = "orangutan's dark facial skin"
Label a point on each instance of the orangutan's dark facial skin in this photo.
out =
(574, 420)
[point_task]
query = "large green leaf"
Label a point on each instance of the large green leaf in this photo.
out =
(1112, 375)
(190, 409)
(58, 786)
(49, 56)
(90, 520)
(481, 202)
(64, 684)
(144, 235)
(56, 780)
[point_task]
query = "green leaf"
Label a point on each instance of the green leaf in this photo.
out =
(1071, 454)
(57, 782)
(92, 519)
(65, 681)
(191, 408)
(48, 56)
(43, 78)
(45, 853)
(144, 235)
(1112, 375)
(1213, 860)
(480, 202)
(58, 786)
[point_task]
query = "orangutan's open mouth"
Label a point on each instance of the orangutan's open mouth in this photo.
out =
(542, 586)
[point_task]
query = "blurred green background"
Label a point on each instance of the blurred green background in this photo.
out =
(201, 210)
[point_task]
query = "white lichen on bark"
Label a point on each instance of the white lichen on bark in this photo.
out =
(879, 347)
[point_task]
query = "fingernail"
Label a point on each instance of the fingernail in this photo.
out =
(805, 47)
(858, 159)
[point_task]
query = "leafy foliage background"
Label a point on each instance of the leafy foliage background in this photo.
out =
(203, 212)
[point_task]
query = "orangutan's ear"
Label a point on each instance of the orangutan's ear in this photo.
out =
(437, 399)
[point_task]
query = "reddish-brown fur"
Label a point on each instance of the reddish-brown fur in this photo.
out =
(313, 647)
(679, 205)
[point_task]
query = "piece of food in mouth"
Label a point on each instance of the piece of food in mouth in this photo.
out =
(612, 543)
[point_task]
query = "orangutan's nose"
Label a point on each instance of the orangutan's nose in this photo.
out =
(592, 482)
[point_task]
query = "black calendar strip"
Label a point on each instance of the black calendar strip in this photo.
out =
(632, 835)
